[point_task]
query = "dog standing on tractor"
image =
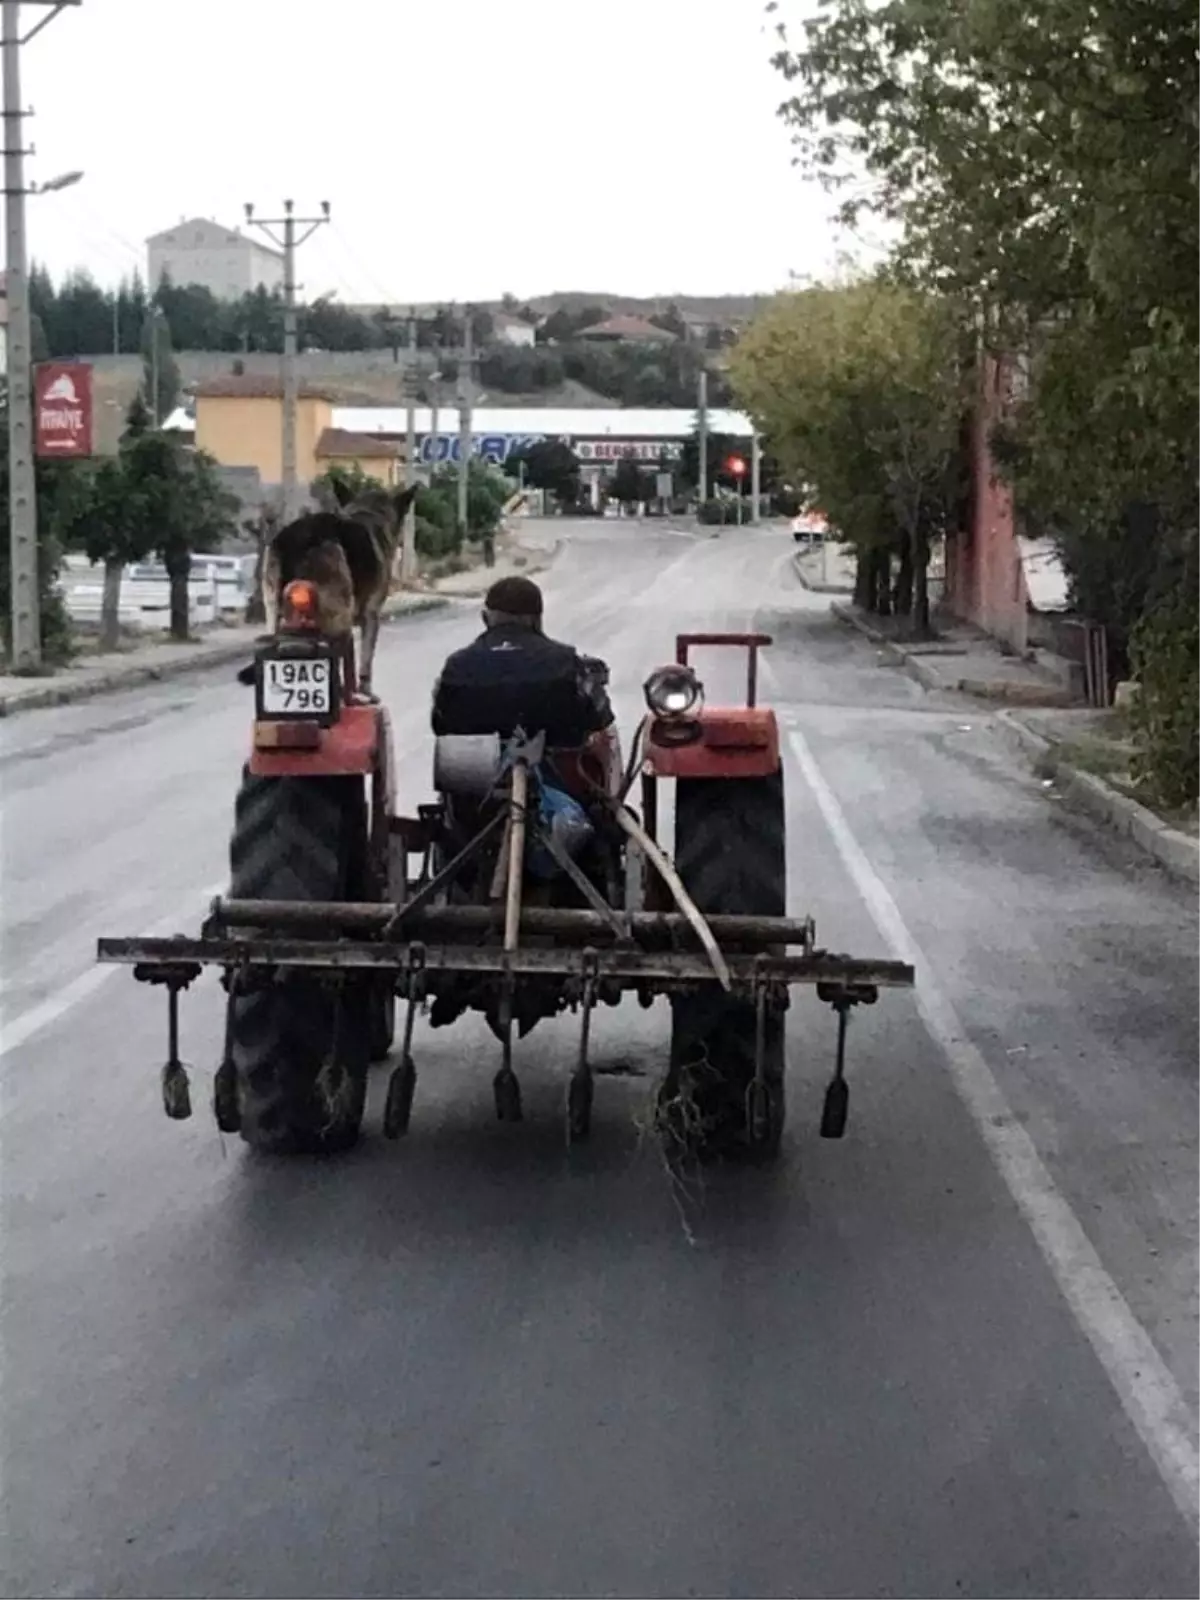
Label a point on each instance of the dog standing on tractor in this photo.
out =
(346, 553)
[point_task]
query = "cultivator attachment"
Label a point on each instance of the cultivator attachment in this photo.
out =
(423, 948)
(499, 954)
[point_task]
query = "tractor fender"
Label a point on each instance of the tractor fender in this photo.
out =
(727, 742)
(355, 746)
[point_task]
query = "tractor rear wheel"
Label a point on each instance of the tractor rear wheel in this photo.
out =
(299, 1043)
(730, 851)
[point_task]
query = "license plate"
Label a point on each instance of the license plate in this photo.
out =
(291, 688)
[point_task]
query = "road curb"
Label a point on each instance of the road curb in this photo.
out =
(541, 564)
(1022, 694)
(62, 692)
(1177, 852)
(913, 667)
(818, 588)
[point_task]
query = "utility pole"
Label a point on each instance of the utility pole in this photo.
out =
(408, 545)
(435, 400)
(703, 410)
(464, 423)
(755, 475)
(25, 630)
(154, 358)
(289, 244)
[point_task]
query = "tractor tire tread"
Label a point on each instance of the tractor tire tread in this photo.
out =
(731, 853)
(298, 839)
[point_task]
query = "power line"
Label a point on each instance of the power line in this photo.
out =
(364, 274)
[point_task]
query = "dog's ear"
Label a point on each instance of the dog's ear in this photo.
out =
(403, 499)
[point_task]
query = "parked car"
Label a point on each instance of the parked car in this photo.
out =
(809, 527)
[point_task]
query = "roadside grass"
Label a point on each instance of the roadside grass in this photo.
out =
(1105, 750)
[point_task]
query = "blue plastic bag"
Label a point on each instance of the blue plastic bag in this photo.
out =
(565, 819)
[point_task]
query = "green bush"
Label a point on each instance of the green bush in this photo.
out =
(437, 509)
(1165, 715)
(348, 476)
(436, 532)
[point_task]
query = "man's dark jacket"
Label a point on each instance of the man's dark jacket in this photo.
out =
(512, 677)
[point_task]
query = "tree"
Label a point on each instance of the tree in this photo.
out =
(549, 465)
(562, 325)
(109, 524)
(1041, 161)
(1166, 658)
(262, 529)
(671, 321)
(329, 326)
(130, 313)
(161, 381)
(627, 484)
(516, 370)
(196, 318)
(185, 507)
(39, 345)
(861, 391)
(82, 317)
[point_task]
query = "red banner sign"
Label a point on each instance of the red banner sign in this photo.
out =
(62, 407)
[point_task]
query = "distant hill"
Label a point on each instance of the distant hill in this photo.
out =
(731, 308)
(726, 309)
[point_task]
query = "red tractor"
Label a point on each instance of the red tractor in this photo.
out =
(529, 886)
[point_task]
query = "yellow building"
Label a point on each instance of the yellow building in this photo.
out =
(239, 422)
(381, 459)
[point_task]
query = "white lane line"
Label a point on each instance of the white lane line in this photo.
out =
(15, 1033)
(1151, 1398)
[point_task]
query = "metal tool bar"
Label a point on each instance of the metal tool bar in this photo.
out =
(660, 927)
(632, 965)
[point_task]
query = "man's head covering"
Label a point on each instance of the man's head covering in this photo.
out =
(514, 597)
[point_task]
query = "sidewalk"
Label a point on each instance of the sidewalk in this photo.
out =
(829, 569)
(148, 663)
(1086, 755)
(529, 551)
(962, 660)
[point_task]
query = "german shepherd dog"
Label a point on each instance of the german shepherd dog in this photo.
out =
(347, 551)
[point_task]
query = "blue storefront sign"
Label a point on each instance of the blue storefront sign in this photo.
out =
(493, 447)
(498, 447)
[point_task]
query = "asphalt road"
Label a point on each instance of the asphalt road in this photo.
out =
(952, 1355)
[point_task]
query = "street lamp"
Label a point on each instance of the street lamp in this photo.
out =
(52, 185)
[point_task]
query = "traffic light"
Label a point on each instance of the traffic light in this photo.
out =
(736, 466)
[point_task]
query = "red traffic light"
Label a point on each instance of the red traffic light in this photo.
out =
(737, 466)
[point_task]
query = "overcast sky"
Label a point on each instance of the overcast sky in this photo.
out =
(467, 147)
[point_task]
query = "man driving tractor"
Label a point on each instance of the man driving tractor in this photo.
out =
(513, 676)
